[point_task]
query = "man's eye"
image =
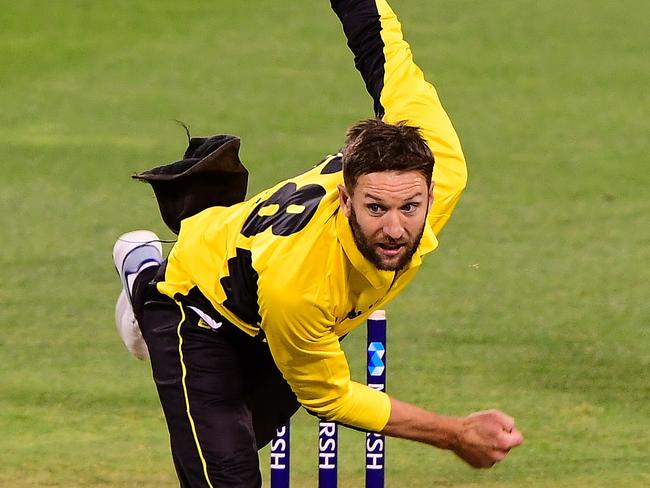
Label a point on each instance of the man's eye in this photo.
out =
(374, 208)
(410, 207)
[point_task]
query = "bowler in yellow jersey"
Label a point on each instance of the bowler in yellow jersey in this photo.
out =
(242, 321)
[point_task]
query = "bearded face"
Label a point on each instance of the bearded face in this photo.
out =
(384, 252)
(387, 212)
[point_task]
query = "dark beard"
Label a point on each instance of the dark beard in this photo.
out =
(371, 255)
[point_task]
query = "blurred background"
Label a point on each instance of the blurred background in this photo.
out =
(536, 301)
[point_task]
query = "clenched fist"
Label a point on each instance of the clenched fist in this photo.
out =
(485, 438)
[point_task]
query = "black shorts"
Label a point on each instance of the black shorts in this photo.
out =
(221, 393)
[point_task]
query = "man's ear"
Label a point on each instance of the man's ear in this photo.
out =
(345, 201)
(431, 195)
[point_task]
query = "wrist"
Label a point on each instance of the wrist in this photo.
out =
(450, 435)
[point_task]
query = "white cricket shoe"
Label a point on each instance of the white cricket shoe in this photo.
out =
(128, 328)
(133, 252)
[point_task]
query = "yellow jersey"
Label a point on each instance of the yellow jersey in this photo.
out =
(284, 263)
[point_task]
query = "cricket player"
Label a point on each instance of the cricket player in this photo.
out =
(243, 320)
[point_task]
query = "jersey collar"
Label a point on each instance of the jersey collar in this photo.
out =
(377, 278)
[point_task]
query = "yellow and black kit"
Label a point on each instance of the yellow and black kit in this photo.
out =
(283, 266)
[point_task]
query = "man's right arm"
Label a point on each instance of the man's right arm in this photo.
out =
(401, 94)
(480, 439)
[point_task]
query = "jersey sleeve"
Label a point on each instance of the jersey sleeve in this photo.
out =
(307, 352)
(401, 94)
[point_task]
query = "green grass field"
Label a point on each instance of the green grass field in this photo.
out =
(536, 301)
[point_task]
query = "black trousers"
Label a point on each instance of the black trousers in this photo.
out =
(221, 393)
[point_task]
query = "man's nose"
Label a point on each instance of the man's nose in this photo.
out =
(393, 227)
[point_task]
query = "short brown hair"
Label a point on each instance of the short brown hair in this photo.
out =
(373, 145)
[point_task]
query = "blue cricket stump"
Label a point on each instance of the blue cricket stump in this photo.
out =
(328, 431)
(376, 378)
(327, 454)
(280, 456)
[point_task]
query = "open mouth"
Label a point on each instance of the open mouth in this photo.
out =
(390, 249)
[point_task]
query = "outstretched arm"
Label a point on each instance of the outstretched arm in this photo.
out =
(401, 94)
(480, 439)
